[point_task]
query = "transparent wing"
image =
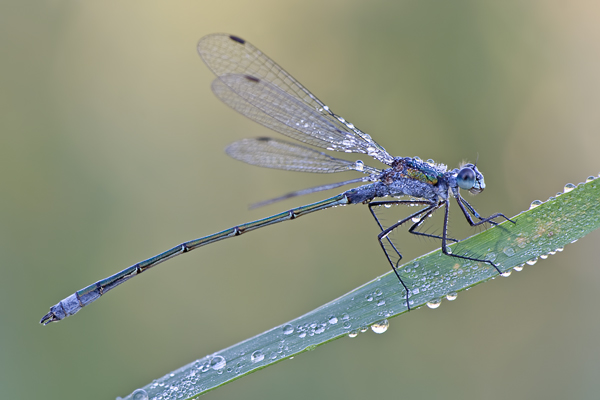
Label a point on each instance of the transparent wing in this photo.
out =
(272, 153)
(270, 106)
(229, 56)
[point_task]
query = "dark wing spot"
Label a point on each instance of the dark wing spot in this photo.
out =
(263, 139)
(237, 39)
(252, 78)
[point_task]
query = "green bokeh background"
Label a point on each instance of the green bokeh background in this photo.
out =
(111, 150)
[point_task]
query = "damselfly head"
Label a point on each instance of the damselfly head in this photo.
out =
(469, 178)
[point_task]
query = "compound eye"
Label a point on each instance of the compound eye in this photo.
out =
(466, 178)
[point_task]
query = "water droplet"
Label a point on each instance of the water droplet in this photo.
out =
(535, 203)
(560, 249)
(430, 161)
(333, 320)
(544, 256)
(139, 394)
(519, 268)
(353, 334)
(569, 187)
(204, 366)
(217, 363)
(532, 261)
(380, 303)
(345, 317)
(574, 240)
(378, 292)
(288, 329)
(346, 325)
(363, 329)
(359, 165)
(369, 297)
(435, 303)
(509, 251)
(590, 178)
(490, 256)
(416, 219)
(451, 296)
(387, 205)
(506, 274)
(257, 356)
(381, 326)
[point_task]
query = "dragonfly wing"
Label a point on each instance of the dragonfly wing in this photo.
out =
(273, 153)
(270, 106)
(261, 102)
(228, 55)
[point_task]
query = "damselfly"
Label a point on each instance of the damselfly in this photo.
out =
(254, 85)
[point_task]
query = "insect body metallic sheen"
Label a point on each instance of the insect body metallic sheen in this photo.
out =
(254, 85)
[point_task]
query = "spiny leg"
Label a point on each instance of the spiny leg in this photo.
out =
(385, 233)
(395, 202)
(462, 203)
(445, 248)
(413, 228)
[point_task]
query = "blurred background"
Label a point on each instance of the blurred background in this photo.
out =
(111, 151)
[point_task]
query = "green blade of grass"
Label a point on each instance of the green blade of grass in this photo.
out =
(538, 232)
